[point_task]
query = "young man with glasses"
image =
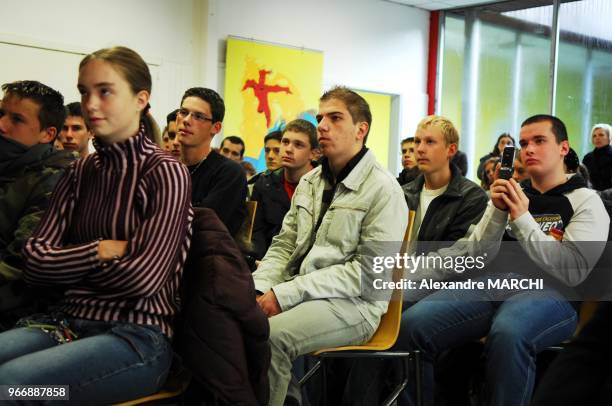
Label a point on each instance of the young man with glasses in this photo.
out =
(217, 182)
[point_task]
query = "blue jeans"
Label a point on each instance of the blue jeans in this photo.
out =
(517, 325)
(108, 363)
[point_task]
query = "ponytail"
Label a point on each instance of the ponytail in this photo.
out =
(151, 128)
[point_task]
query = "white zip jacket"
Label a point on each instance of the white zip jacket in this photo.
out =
(368, 207)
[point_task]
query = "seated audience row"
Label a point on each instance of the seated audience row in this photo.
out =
(109, 244)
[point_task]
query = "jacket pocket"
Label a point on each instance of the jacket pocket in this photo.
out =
(304, 215)
(345, 225)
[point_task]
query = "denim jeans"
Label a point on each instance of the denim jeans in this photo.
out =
(308, 327)
(517, 325)
(108, 363)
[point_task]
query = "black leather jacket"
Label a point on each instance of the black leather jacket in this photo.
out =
(449, 215)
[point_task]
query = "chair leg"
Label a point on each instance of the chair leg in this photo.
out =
(418, 379)
(324, 389)
(310, 373)
(401, 386)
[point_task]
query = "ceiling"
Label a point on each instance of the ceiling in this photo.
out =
(442, 4)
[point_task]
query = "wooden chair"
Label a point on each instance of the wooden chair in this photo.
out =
(244, 235)
(383, 339)
(250, 220)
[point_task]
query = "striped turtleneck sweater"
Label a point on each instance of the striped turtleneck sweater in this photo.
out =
(130, 191)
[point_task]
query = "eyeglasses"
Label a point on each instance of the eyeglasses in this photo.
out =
(197, 116)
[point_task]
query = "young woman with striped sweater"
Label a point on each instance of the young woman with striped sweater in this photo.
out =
(115, 237)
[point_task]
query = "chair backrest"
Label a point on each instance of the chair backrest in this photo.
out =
(388, 329)
(250, 219)
(244, 235)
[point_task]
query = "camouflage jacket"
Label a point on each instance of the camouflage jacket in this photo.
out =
(24, 196)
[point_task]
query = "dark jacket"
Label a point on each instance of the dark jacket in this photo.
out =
(220, 184)
(224, 334)
(599, 164)
(408, 175)
(26, 185)
(460, 161)
(449, 215)
(25, 191)
(272, 205)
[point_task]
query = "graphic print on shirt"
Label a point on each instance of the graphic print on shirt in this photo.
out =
(551, 224)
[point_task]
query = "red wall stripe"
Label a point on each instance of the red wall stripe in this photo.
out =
(432, 60)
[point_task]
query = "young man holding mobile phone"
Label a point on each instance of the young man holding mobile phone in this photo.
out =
(551, 217)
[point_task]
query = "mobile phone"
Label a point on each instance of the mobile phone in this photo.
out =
(507, 162)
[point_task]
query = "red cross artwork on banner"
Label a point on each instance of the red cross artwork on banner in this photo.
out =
(261, 90)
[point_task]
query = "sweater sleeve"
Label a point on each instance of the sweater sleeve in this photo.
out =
(483, 239)
(584, 239)
(44, 250)
(153, 249)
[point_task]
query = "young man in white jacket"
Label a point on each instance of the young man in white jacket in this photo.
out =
(312, 279)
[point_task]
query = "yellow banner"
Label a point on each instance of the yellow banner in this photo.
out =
(266, 84)
(380, 131)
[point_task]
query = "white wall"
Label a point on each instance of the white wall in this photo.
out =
(367, 44)
(161, 31)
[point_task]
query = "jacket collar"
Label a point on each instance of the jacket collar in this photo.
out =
(16, 157)
(352, 175)
(454, 187)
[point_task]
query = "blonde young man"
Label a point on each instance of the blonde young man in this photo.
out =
(311, 277)
(445, 202)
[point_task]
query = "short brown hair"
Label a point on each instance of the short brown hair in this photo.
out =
(51, 111)
(446, 127)
(357, 106)
(305, 127)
